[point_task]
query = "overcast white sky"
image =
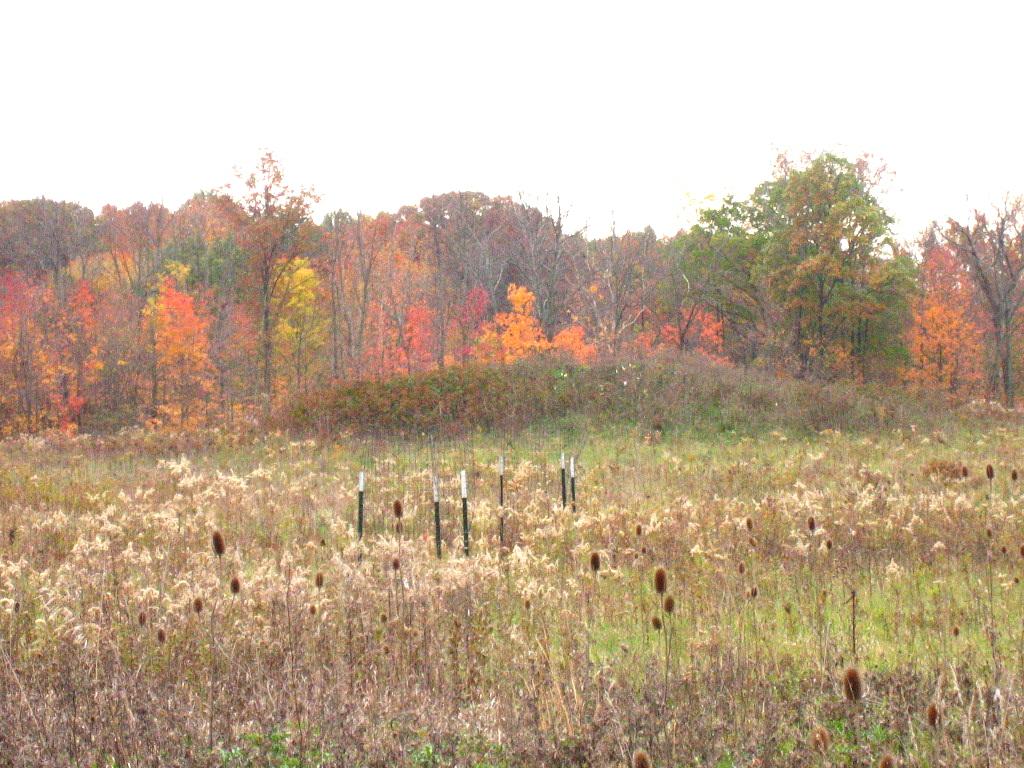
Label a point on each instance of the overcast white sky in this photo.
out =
(630, 112)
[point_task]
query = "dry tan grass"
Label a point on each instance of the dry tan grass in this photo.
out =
(162, 610)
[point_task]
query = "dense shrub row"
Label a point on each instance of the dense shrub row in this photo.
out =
(686, 391)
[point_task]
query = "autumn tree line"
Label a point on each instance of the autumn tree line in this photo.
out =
(240, 301)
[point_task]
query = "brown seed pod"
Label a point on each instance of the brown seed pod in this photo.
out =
(753, 591)
(161, 636)
(397, 508)
(853, 685)
(933, 715)
(12, 534)
(236, 585)
(197, 605)
(812, 524)
(787, 608)
(660, 581)
(669, 604)
(319, 580)
(595, 562)
(742, 568)
(828, 544)
(142, 618)
(639, 530)
(1014, 475)
(964, 472)
(956, 631)
(641, 759)
(218, 543)
(750, 524)
(990, 473)
(887, 761)
(821, 739)
(395, 564)
(312, 610)
(656, 622)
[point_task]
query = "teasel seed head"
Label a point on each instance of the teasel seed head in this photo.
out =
(753, 591)
(197, 605)
(639, 530)
(312, 610)
(812, 524)
(964, 472)
(641, 759)
(828, 544)
(853, 685)
(656, 622)
(319, 580)
(660, 580)
(990, 473)
(988, 532)
(395, 563)
(1014, 475)
(956, 631)
(887, 761)
(821, 739)
(397, 508)
(669, 604)
(595, 562)
(750, 524)
(161, 636)
(218, 544)
(742, 568)
(236, 585)
(933, 715)
(142, 618)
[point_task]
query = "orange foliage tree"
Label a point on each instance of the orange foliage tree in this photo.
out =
(517, 334)
(945, 342)
(181, 333)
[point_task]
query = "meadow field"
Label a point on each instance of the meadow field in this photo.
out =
(204, 599)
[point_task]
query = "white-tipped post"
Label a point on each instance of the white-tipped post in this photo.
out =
(362, 482)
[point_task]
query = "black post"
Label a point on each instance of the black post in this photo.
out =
(437, 519)
(572, 481)
(465, 517)
(501, 505)
(501, 481)
(563, 481)
(359, 524)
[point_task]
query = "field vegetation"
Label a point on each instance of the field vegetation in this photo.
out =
(203, 597)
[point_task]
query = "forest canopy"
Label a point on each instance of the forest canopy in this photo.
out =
(240, 301)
